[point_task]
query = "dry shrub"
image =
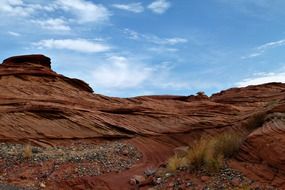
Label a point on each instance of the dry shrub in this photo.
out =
(228, 143)
(177, 162)
(27, 151)
(244, 187)
(212, 160)
(208, 152)
(255, 121)
(197, 153)
(203, 154)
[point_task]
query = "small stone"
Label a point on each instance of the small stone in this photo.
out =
(139, 178)
(133, 181)
(158, 180)
(235, 181)
(125, 152)
(205, 178)
(168, 175)
(171, 184)
(150, 171)
(189, 184)
(36, 150)
(42, 185)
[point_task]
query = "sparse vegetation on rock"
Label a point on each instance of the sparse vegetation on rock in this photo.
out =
(27, 151)
(208, 152)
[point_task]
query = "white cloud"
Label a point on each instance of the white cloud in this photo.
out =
(85, 11)
(14, 34)
(159, 6)
(132, 7)
(153, 38)
(121, 73)
(15, 8)
(163, 49)
(81, 11)
(132, 34)
(252, 55)
(125, 73)
(79, 45)
(260, 50)
(53, 24)
(262, 78)
(167, 41)
(271, 45)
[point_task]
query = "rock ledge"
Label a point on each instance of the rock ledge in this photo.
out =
(34, 58)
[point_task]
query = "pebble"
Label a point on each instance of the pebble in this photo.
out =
(235, 181)
(205, 178)
(133, 181)
(158, 180)
(106, 157)
(171, 184)
(168, 175)
(150, 171)
(139, 179)
(42, 185)
(189, 184)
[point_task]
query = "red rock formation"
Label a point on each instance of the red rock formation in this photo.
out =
(28, 59)
(38, 104)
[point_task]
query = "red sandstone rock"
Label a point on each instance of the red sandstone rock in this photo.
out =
(38, 104)
(26, 59)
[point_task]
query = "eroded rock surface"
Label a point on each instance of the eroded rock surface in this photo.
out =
(39, 105)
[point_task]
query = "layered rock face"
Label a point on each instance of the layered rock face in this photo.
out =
(38, 104)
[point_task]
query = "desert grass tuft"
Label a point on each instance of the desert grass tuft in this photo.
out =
(208, 152)
(197, 153)
(177, 162)
(27, 151)
(228, 144)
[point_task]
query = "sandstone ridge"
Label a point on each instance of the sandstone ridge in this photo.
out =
(41, 106)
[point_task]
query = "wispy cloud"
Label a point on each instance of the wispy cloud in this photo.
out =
(262, 78)
(153, 38)
(162, 49)
(45, 15)
(79, 45)
(131, 34)
(15, 8)
(167, 41)
(271, 45)
(132, 7)
(85, 11)
(14, 33)
(56, 24)
(131, 73)
(120, 72)
(159, 6)
(260, 50)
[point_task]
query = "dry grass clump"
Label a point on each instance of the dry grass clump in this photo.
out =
(197, 153)
(228, 144)
(208, 153)
(176, 162)
(27, 151)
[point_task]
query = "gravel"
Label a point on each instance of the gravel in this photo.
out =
(64, 162)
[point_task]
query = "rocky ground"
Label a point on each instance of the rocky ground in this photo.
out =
(44, 107)
(185, 179)
(34, 167)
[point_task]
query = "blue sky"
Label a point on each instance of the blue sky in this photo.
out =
(128, 48)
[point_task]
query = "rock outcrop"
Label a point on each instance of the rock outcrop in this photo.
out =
(38, 104)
